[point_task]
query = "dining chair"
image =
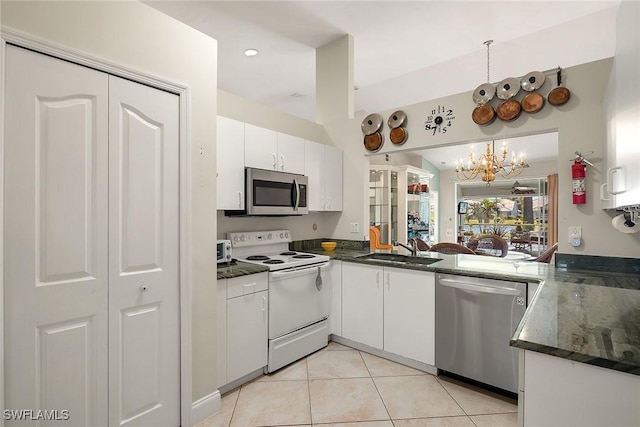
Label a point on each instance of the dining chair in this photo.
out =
(546, 255)
(421, 245)
(451, 248)
(374, 240)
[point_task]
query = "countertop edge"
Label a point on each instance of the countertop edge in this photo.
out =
(576, 357)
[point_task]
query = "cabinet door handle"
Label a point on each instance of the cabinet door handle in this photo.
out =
(388, 282)
(328, 206)
(617, 186)
(603, 189)
(275, 164)
(264, 304)
(378, 278)
(281, 162)
(239, 199)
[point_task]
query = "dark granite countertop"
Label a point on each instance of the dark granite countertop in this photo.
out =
(239, 269)
(587, 316)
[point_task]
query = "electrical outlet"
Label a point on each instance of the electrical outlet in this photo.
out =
(575, 236)
(355, 227)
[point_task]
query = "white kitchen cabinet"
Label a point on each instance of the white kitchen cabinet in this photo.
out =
(260, 147)
(583, 395)
(323, 167)
(242, 336)
(230, 164)
(391, 309)
(362, 304)
(409, 314)
(621, 185)
(270, 150)
(335, 280)
(290, 154)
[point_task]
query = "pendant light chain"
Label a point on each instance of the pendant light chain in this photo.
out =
(488, 43)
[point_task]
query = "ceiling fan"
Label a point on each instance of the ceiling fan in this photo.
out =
(518, 188)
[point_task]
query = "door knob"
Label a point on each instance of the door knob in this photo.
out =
(143, 288)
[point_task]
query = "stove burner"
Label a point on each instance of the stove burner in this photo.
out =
(257, 257)
(288, 253)
(304, 256)
(274, 261)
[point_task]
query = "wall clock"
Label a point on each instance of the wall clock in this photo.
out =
(440, 120)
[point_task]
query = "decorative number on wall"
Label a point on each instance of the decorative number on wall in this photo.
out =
(440, 120)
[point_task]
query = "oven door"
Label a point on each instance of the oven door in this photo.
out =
(297, 298)
(275, 193)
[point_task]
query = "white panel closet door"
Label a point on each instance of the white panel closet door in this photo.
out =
(55, 243)
(144, 320)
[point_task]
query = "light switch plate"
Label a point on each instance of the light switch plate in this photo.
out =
(355, 227)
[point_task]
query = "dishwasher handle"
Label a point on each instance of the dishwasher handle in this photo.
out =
(488, 289)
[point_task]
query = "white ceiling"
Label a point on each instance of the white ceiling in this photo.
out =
(405, 52)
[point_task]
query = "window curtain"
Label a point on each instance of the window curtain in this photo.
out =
(552, 212)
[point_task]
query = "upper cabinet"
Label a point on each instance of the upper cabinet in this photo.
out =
(270, 150)
(230, 164)
(290, 154)
(323, 167)
(621, 186)
(243, 145)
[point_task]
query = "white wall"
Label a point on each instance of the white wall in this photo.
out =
(580, 124)
(138, 36)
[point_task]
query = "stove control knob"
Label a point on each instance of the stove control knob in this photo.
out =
(282, 235)
(269, 237)
(242, 238)
(286, 235)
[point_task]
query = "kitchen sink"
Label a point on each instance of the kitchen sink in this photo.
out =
(397, 258)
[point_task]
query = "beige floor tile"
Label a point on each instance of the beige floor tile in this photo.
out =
(419, 396)
(379, 367)
(495, 420)
(334, 346)
(435, 422)
(270, 403)
(345, 400)
(336, 364)
(359, 424)
(293, 372)
(222, 418)
(476, 401)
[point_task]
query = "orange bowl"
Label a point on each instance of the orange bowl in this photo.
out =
(328, 246)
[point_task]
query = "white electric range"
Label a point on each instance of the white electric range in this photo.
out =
(298, 298)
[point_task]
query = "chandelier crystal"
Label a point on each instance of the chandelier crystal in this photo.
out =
(490, 165)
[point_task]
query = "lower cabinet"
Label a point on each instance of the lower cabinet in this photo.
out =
(242, 326)
(390, 309)
(583, 395)
(409, 314)
(335, 314)
(362, 304)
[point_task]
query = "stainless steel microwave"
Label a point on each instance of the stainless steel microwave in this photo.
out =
(271, 193)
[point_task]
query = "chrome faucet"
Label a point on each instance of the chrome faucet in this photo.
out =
(413, 248)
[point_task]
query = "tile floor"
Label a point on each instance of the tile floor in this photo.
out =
(340, 386)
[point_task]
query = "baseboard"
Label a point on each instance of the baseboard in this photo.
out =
(205, 407)
(386, 355)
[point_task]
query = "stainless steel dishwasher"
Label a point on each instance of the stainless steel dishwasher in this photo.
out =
(475, 318)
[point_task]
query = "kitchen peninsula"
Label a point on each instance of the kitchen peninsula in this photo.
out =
(581, 330)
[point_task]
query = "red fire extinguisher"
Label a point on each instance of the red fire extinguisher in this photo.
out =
(578, 172)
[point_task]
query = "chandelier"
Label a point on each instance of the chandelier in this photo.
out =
(490, 165)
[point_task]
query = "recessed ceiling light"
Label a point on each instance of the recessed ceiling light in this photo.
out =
(251, 52)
